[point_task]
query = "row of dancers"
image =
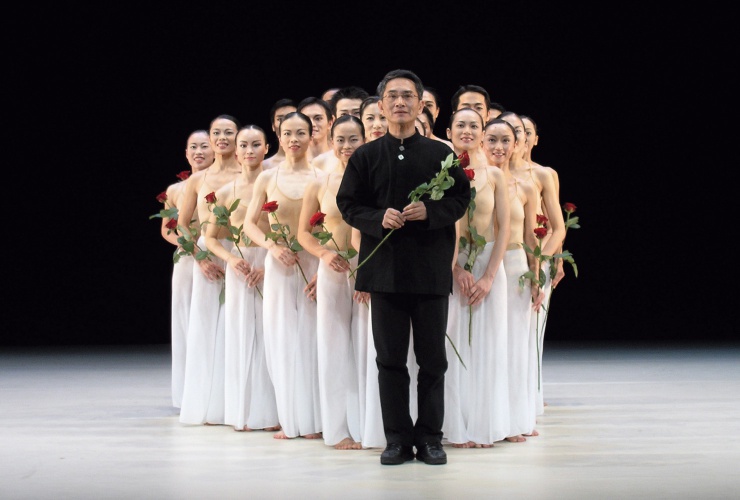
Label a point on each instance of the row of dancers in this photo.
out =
(267, 337)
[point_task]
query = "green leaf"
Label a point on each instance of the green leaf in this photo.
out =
(295, 246)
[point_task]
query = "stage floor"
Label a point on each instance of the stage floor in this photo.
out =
(622, 421)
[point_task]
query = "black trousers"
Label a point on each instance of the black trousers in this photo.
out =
(393, 314)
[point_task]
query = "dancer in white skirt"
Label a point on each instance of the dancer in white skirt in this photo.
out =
(536, 171)
(199, 155)
(548, 204)
(342, 322)
(477, 394)
(521, 301)
(203, 391)
(288, 297)
(249, 395)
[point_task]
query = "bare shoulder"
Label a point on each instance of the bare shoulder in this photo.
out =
(225, 193)
(529, 190)
(496, 175)
(443, 141)
(314, 186)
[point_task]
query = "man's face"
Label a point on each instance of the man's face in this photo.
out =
(474, 100)
(319, 121)
(348, 107)
(400, 103)
(279, 115)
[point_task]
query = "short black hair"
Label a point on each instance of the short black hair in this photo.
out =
(400, 73)
(315, 100)
(470, 88)
(351, 92)
(280, 103)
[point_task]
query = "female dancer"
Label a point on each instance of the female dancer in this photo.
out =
(548, 204)
(203, 393)
(249, 395)
(523, 215)
(530, 129)
(341, 321)
(289, 307)
(477, 395)
(375, 124)
(199, 155)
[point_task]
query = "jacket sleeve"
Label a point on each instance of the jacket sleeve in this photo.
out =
(355, 200)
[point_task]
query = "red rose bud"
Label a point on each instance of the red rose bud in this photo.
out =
(569, 207)
(540, 232)
(317, 219)
(270, 206)
(162, 197)
(211, 197)
(171, 224)
(183, 176)
(541, 220)
(464, 159)
(470, 173)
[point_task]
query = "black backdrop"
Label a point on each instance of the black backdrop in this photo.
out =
(102, 102)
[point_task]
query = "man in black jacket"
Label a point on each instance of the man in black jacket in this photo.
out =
(410, 276)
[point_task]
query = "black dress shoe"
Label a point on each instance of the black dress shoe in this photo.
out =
(431, 453)
(396, 454)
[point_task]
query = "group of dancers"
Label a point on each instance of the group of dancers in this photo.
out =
(268, 332)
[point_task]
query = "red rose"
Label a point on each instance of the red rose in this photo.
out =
(569, 207)
(183, 176)
(317, 219)
(171, 224)
(162, 197)
(541, 220)
(540, 232)
(470, 173)
(464, 159)
(211, 197)
(270, 206)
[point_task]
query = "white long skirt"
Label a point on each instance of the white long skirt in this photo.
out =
(520, 344)
(338, 320)
(249, 395)
(182, 291)
(539, 321)
(477, 398)
(289, 323)
(203, 393)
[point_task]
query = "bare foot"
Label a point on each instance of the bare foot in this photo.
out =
(545, 403)
(245, 428)
(348, 444)
(516, 439)
(315, 435)
(271, 429)
(477, 445)
(533, 433)
(280, 435)
(469, 444)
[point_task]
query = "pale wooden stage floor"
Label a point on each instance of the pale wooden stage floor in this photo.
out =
(622, 422)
